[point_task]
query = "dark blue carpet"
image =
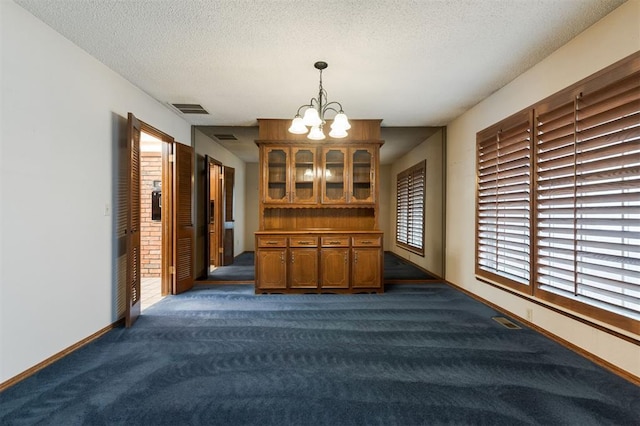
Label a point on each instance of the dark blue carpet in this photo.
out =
(415, 355)
(397, 269)
(242, 269)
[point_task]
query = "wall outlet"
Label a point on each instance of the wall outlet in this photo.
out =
(529, 314)
(107, 209)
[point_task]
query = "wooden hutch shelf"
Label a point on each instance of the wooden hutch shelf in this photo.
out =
(318, 218)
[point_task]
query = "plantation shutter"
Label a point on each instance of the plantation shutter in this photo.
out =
(410, 208)
(132, 205)
(503, 203)
(183, 218)
(588, 196)
(402, 209)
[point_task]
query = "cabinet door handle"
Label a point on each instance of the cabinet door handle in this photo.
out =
(355, 259)
(272, 243)
(304, 243)
(282, 257)
(345, 259)
(333, 242)
(293, 259)
(365, 242)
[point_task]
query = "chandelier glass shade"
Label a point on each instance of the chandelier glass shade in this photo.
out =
(313, 119)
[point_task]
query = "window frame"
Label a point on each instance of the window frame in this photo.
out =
(585, 306)
(410, 210)
(488, 144)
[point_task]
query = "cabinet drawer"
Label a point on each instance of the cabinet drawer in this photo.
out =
(367, 241)
(272, 241)
(303, 241)
(337, 241)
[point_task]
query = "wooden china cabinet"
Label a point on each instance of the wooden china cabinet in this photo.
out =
(318, 218)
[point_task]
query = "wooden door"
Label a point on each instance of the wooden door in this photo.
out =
(303, 268)
(361, 175)
(213, 184)
(334, 267)
(276, 175)
(334, 189)
(366, 268)
(271, 268)
(129, 217)
(304, 179)
(227, 189)
(182, 218)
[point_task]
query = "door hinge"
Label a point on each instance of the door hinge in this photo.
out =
(172, 158)
(172, 270)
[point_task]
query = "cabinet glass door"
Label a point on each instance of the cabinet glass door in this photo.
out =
(304, 176)
(333, 178)
(276, 176)
(361, 176)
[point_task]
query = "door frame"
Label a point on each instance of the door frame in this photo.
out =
(166, 206)
(177, 168)
(213, 164)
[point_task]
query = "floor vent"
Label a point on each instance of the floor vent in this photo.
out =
(190, 108)
(226, 137)
(506, 323)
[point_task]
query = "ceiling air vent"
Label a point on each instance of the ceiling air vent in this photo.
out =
(190, 108)
(226, 137)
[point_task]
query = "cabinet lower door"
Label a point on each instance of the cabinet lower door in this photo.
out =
(334, 268)
(366, 268)
(303, 266)
(271, 269)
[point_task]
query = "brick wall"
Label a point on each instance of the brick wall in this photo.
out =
(150, 230)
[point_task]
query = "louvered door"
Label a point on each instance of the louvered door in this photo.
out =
(129, 200)
(183, 218)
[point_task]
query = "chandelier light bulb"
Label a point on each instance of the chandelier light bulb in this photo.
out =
(337, 133)
(342, 121)
(316, 133)
(311, 118)
(298, 127)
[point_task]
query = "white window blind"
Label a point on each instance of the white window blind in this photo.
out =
(410, 208)
(503, 201)
(588, 196)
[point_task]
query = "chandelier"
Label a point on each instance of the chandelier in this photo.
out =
(314, 115)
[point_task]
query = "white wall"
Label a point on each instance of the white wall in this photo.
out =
(61, 114)
(385, 214)
(430, 150)
(609, 40)
(252, 198)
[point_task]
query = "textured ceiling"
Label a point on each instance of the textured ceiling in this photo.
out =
(410, 63)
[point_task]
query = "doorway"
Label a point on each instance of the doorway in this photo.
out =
(219, 184)
(150, 220)
(176, 217)
(214, 214)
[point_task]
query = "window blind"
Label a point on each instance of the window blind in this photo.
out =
(588, 196)
(503, 201)
(410, 208)
(558, 198)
